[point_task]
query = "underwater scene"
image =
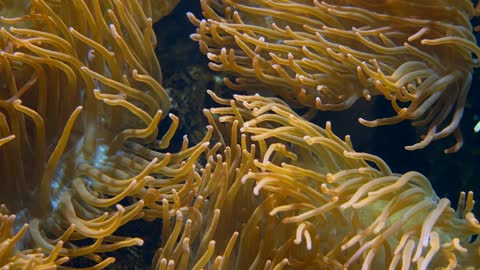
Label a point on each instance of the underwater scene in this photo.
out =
(239, 134)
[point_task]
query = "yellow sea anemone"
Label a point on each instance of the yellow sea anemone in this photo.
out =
(327, 54)
(80, 97)
(279, 192)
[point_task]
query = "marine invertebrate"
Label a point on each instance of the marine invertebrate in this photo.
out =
(327, 54)
(11, 259)
(279, 192)
(80, 98)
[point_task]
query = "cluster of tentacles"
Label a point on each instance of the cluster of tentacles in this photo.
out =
(81, 97)
(325, 55)
(282, 193)
(81, 153)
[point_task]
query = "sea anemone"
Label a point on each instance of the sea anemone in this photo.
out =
(279, 192)
(81, 97)
(327, 54)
